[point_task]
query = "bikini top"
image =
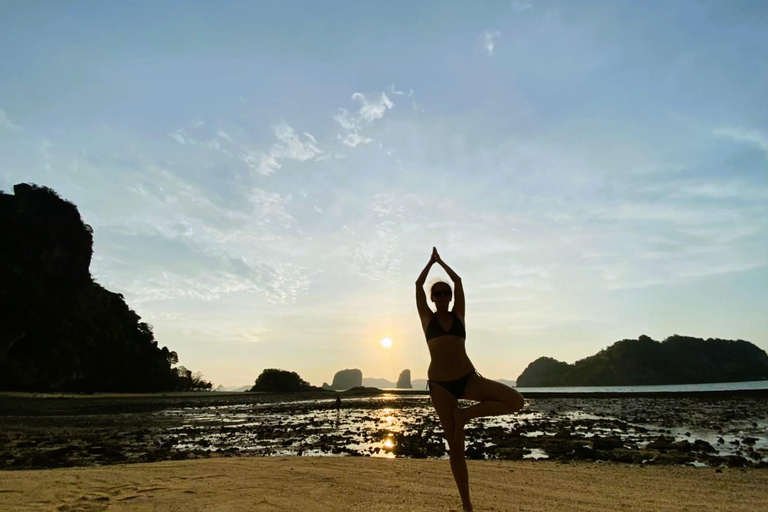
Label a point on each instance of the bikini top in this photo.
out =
(434, 329)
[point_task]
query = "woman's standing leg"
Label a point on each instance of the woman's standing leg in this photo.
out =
(445, 404)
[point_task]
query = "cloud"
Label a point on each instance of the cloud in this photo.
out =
(384, 204)
(372, 110)
(370, 242)
(270, 206)
(400, 93)
(521, 5)
(182, 137)
(288, 146)
(44, 148)
(751, 137)
(488, 40)
(205, 136)
(353, 139)
(250, 336)
(281, 283)
(369, 112)
(213, 144)
(5, 122)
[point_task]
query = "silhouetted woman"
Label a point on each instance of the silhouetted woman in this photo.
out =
(452, 375)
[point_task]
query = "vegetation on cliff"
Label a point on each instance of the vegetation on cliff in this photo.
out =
(281, 381)
(676, 360)
(62, 331)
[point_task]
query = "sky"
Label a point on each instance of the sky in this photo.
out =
(266, 180)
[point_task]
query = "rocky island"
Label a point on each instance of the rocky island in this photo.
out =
(644, 361)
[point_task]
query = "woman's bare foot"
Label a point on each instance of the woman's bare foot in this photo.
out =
(458, 429)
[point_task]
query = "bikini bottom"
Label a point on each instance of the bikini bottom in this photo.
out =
(456, 386)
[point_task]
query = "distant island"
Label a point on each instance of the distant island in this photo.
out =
(222, 387)
(273, 380)
(62, 331)
(353, 378)
(404, 380)
(345, 379)
(644, 361)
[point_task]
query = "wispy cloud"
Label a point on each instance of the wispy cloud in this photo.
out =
(5, 122)
(395, 92)
(369, 111)
(271, 206)
(353, 139)
(521, 5)
(281, 283)
(288, 146)
(45, 153)
(752, 137)
(255, 335)
(182, 137)
(488, 40)
(371, 243)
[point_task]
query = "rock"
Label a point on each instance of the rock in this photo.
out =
(474, 453)
(662, 443)
(404, 380)
(606, 443)
(544, 371)
(735, 461)
(703, 446)
(509, 453)
(90, 340)
(346, 379)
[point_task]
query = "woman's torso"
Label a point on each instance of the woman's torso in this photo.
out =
(447, 350)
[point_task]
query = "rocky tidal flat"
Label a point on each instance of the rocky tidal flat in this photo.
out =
(59, 432)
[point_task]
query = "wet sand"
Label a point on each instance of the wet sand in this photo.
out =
(359, 483)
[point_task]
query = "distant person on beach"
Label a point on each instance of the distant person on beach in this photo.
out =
(452, 375)
(338, 404)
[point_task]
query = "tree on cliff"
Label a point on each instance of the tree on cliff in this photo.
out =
(60, 330)
(676, 360)
(281, 381)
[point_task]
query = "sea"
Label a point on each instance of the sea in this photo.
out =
(375, 425)
(673, 388)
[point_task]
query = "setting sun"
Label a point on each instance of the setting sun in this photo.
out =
(386, 342)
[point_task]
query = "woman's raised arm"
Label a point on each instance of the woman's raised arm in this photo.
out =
(458, 288)
(421, 297)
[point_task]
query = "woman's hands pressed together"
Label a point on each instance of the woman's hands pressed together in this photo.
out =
(435, 258)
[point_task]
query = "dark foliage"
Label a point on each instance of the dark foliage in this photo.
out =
(281, 381)
(61, 331)
(676, 360)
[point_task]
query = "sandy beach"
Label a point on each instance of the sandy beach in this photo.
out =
(362, 483)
